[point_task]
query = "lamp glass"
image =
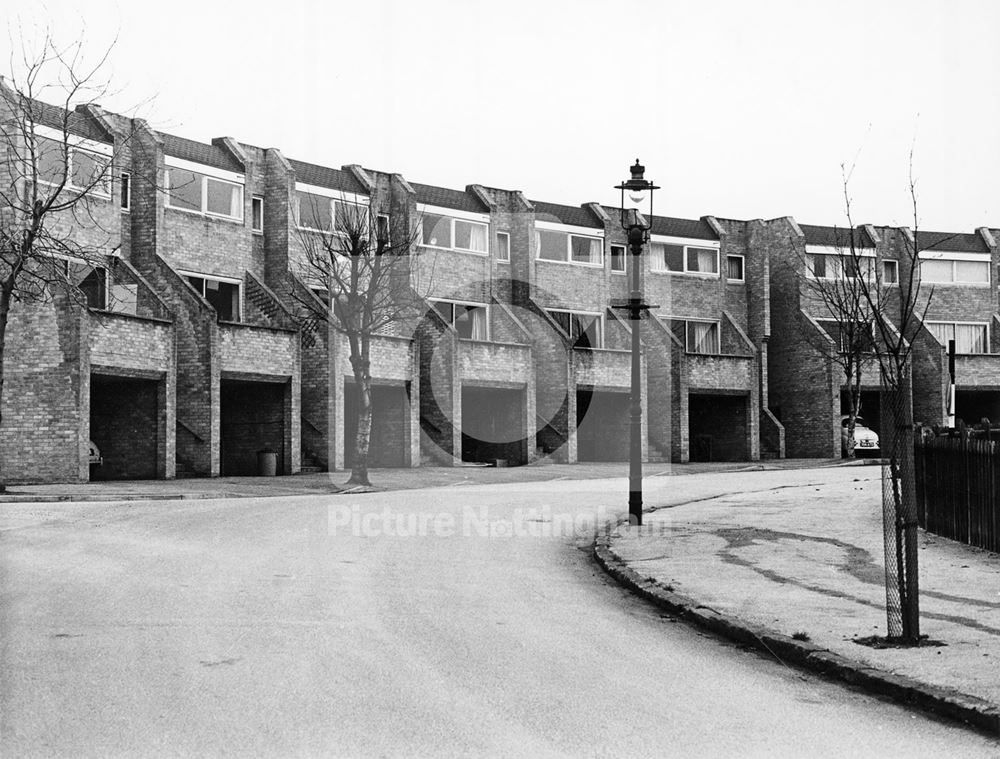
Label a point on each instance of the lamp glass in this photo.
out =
(637, 196)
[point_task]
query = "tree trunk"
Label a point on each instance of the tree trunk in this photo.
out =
(854, 406)
(4, 314)
(362, 377)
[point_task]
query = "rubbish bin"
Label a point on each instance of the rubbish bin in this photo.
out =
(267, 463)
(501, 463)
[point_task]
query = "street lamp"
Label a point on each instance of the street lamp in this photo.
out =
(636, 193)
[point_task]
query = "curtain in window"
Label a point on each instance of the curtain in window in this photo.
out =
(972, 271)
(702, 260)
(479, 327)
(970, 338)
(734, 267)
(703, 337)
(477, 238)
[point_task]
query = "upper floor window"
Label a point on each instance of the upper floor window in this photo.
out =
(125, 191)
(323, 214)
(586, 330)
(458, 234)
(257, 214)
(91, 280)
(734, 268)
(955, 270)
(890, 272)
(569, 248)
(193, 191)
(222, 294)
(850, 336)
(683, 259)
(702, 337)
(837, 266)
(618, 258)
(87, 170)
(969, 337)
(503, 246)
(470, 320)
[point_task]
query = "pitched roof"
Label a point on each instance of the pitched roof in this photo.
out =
(697, 229)
(575, 215)
(77, 123)
(460, 200)
(835, 237)
(953, 241)
(199, 152)
(323, 176)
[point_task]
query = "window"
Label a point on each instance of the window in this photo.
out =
(836, 266)
(683, 259)
(584, 329)
(191, 191)
(125, 191)
(86, 171)
(890, 272)
(957, 271)
(503, 246)
(257, 214)
(569, 248)
(734, 268)
(382, 229)
(969, 338)
(862, 336)
(618, 258)
(224, 296)
(468, 319)
(458, 234)
(702, 337)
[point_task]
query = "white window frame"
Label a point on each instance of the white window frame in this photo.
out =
(624, 258)
(206, 173)
(577, 312)
(687, 335)
(955, 258)
(388, 227)
(453, 215)
(79, 144)
(216, 278)
(570, 232)
(743, 267)
(506, 236)
(484, 306)
(334, 196)
(952, 323)
(895, 263)
(125, 179)
(257, 200)
(685, 243)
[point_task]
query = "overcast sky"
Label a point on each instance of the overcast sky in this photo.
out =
(737, 109)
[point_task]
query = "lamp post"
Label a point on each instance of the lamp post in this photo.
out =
(637, 192)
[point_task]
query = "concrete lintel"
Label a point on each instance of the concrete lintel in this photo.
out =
(127, 372)
(271, 379)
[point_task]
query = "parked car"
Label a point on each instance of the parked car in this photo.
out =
(865, 439)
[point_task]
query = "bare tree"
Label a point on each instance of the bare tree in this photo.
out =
(56, 185)
(837, 283)
(362, 270)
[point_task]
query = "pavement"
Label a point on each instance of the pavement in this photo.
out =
(794, 570)
(797, 572)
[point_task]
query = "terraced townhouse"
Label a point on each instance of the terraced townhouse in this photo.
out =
(185, 356)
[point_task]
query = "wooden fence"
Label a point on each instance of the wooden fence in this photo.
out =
(957, 489)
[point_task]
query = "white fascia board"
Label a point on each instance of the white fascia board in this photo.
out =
(76, 142)
(671, 240)
(214, 277)
(482, 218)
(572, 229)
(200, 168)
(327, 192)
(833, 250)
(950, 255)
(581, 312)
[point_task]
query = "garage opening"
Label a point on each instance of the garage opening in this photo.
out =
(124, 427)
(253, 419)
(717, 427)
(972, 406)
(493, 427)
(390, 429)
(870, 408)
(602, 425)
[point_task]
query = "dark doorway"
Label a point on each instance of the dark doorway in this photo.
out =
(717, 426)
(124, 425)
(972, 406)
(253, 419)
(602, 425)
(493, 425)
(389, 438)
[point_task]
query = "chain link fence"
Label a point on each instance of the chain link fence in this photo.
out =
(899, 508)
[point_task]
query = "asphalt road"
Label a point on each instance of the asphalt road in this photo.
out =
(325, 626)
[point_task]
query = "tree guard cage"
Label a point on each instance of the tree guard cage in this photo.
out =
(899, 507)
